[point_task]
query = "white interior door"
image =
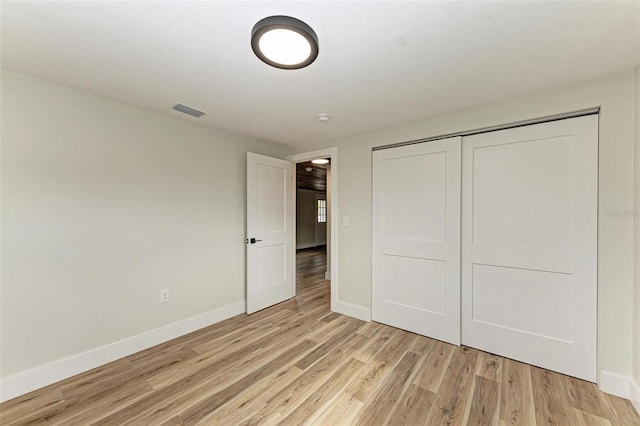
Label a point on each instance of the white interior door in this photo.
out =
(529, 244)
(270, 233)
(416, 238)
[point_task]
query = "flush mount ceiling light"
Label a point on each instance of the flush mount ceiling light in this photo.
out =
(320, 161)
(284, 42)
(323, 117)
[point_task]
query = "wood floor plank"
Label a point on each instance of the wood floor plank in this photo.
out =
(485, 402)
(586, 397)
(219, 383)
(253, 399)
(39, 416)
(435, 366)
(380, 406)
(421, 345)
(209, 333)
(185, 391)
(586, 419)
(516, 402)
(413, 408)
(325, 392)
(94, 376)
(490, 366)
(246, 370)
(342, 410)
(12, 411)
(451, 400)
(377, 341)
(331, 317)
(102, 405)
(344, 334)
(300, 389)
(245, 334)
(96, 400)
(324, 330)
(141, 372)
(211, 403)
(375, 371)
(370, 328)
(550, 397)
(621, 411)
(174, 421)
(210, 363)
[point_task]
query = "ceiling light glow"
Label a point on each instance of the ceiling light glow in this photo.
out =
(284, 42)
(320, 161)
(285, 47)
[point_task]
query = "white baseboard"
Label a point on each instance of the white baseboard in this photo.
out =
(355, 311)
(622, 386)
(309, 245)
(36, 378)
(327, 275)
(305, 246)
(615, 384)
(635, 395)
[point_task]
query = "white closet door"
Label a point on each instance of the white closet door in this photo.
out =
(416, 238)
(529, 243)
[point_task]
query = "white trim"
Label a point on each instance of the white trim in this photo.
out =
(327, 275)
(634, 396)
(355, 311)
(345, 308)
(27, 381)
(622, 386)
(331, 153)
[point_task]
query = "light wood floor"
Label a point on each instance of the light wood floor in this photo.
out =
(299, 363)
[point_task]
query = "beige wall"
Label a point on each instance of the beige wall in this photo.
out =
(615, 95)
(636, 216)
(103, 204)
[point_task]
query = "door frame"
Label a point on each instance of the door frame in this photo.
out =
(332, 237)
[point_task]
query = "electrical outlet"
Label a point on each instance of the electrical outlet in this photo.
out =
(164, 295)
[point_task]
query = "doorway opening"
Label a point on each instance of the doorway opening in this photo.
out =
(311, 223)
(316, 211)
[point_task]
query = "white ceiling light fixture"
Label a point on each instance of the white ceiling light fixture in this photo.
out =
(320, 161)
(323, 117)
(284, 42)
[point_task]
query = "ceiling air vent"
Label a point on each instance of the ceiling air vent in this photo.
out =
(188, 110)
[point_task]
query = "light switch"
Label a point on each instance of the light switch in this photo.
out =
(345, 220)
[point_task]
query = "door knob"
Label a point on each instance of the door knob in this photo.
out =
(253, 241)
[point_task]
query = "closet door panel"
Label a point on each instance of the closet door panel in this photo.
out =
(416, 238)
(529, 244)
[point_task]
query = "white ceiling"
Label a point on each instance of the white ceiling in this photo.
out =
(380, 63)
